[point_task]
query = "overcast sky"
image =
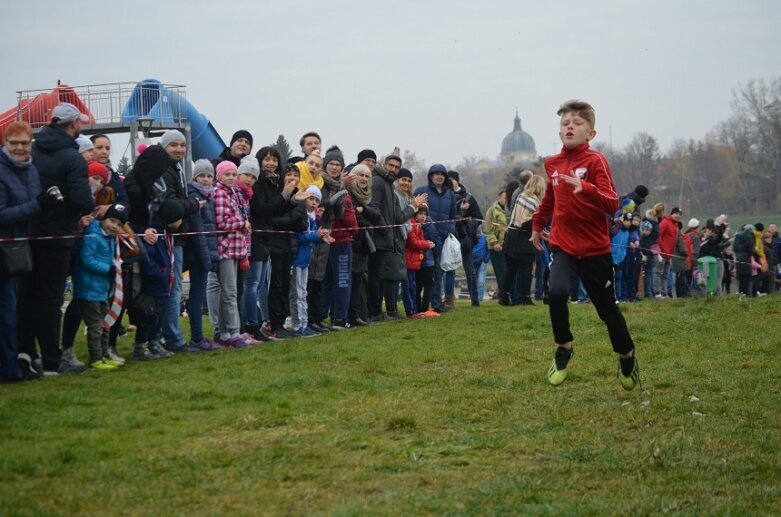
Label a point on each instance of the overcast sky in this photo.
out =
(441, 78)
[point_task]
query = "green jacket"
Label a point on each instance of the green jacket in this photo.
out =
(495, 225)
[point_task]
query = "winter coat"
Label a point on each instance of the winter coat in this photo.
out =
(691, 240)
(441, 207)
(115, 182)
(581, 222)
(56, 156)
(517, 245)
(91, 281)
(415, 247)
(620, 244)
(19, 186)
(201, 249)
(668, 236)
(226, 155)
(680, 255)
(385, 201)
(305, 240)
(744, 249)
(366, 219)
(229, 218)
(267, 207)
(156, 273)
(495, 225)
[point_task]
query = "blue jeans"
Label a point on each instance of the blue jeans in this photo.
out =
(9, 364)
(198, 277)
(338, 281)
(481, 272)
(410, 292)
(255, 296)
(169, 319)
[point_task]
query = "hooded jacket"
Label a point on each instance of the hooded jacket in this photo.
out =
(668, 236)
(441, 207)
(91, 281)
(56, 156)
(581, 222)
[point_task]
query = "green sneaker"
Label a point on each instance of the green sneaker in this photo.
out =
(557, 373)
(629, 383)
(102, 364)
(113, 361)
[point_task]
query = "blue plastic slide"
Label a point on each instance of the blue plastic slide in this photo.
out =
(153, 100)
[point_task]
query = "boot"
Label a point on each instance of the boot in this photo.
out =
(504, 298)
(450, 303)
(526, 301)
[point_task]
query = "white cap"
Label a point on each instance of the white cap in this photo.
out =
(65, 113)
(85, 144)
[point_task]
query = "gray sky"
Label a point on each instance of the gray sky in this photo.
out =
(441, 78)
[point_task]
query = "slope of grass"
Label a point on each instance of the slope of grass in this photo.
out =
(451, 415)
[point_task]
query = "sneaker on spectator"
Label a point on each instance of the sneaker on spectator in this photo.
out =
(112, 361)
(141, 353)
(318, 328)
(62, 369)
(283, 333)
(113, 355)
(305, 332)
(341, 325)
(103, 365)
(69, 357)
(250, 339)
(236, 342)
(27, 367)
(358, 322)
(268, 332)
(205, 344)
(431, 313)
(156, 349)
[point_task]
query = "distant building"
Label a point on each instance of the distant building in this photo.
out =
(518, 146)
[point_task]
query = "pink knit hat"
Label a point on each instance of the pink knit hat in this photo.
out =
(223, 167)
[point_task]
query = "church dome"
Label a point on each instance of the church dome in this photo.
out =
(518, 141)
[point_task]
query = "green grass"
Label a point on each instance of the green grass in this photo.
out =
(451, 415)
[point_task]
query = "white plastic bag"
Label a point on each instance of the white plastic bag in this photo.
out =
(450, 259)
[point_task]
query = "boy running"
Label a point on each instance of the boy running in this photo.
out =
(581, 200)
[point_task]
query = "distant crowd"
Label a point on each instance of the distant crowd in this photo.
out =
(280, 249)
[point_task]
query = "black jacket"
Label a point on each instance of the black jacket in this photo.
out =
(386, 202)
(56, 156)
(267, 204)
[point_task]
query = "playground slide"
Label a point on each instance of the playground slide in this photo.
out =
(37, 111)
(153, 100)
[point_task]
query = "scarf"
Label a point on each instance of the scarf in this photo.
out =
(361, 196)
(245, 190)
(206, 192)
(272, 177)
(118, 296)
(333, 185)
(18, 164)
(523, 210)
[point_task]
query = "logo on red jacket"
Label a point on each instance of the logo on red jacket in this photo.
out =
(580, 172)
(555, 178)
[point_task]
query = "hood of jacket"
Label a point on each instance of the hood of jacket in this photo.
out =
(52, 139)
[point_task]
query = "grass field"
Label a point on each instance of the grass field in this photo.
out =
(451, 416)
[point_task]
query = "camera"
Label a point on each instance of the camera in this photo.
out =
(55, 193)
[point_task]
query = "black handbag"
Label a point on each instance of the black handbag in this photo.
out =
(16, 258)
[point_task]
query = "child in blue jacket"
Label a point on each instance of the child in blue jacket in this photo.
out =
(298, 281)
(93, 281)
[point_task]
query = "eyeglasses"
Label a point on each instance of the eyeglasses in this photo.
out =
(18, 143)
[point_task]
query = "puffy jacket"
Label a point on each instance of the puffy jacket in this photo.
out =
(416, 247)
(691, 240)
(91, 280)
(431, 233)
(305, 241)
(156, 273)
(581, 222)
(19, 186)
(269, 210)
(56, 156)
(201, 249)
(441, 207)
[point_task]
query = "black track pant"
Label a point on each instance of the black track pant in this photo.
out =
(597, 276)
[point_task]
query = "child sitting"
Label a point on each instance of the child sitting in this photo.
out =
(92, 282)
(298, 310)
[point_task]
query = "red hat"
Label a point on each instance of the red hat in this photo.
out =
(97, 169)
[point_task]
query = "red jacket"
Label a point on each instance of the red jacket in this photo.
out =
(344, 229)
(416, 247)
(581, 222)
(668, 236)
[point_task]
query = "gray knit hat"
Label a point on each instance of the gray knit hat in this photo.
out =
(333, 154)
(203, 166)
(172, 135)
(249, 165)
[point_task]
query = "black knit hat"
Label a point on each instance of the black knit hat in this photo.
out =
(453, 175)
(404, 173)
(170, 211)
(642, 191)
(117, 211)
(241, 133)
(366, 153)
